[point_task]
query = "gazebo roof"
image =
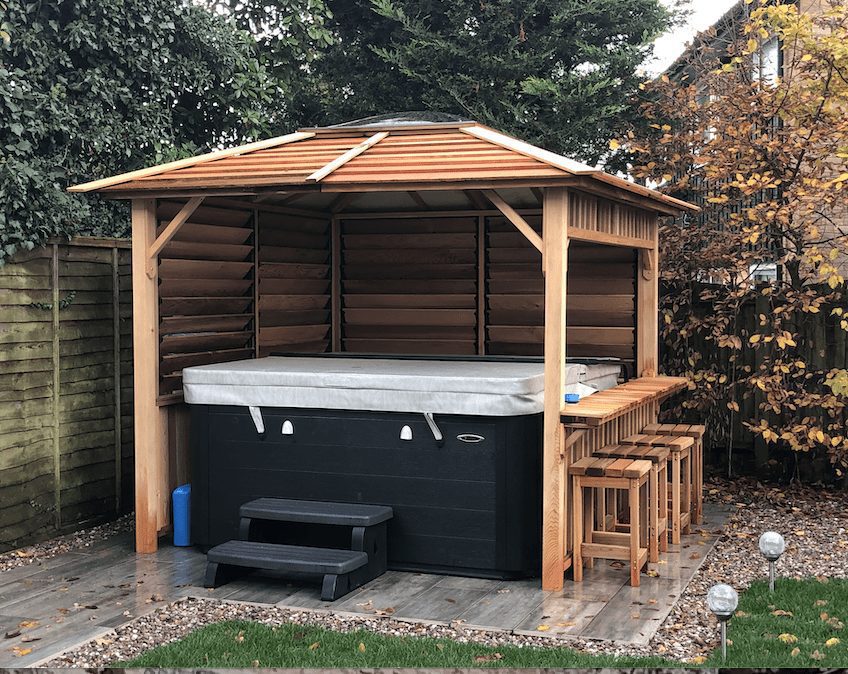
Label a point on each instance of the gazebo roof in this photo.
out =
(384, 154)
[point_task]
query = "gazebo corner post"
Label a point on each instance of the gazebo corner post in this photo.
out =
(555, 216)
(647, 308)
(150, 423)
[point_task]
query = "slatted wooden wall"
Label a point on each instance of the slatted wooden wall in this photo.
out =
(409, 285)
(294, 283)
(600, 305)
(66, 435)
(206, 303)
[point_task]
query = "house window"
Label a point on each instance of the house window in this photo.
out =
(766, 62)
(763, 272)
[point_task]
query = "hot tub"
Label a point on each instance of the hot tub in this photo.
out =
(454, 447)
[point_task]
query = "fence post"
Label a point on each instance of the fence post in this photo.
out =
(116, 355)
(57, 449)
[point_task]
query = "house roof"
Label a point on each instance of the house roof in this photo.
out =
(377, 154)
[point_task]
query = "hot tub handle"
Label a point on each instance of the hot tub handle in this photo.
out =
(437, 434)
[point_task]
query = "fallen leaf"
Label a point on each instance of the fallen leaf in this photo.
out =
(816, 655)
(567, 623)
(11, 634)
(100, 641)
(795, 652)
(255, 663)
(29, 640)
(367, 606)
(800, 532)
(488, 658)
(450, 600)
(741, 614)
(661, 648)
(389, 610)
(830, 643)
(314, 646)
(698, 660)
(781, 613)
(787, 638)
(835, 623)
(440, 647)
(823, 616)
(820, 602)
(361, 647)
(240, 637)
(21, 652)
(543, 628)
(653, 574)
(26, 624)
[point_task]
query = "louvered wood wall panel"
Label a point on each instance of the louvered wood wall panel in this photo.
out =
(600, 304)
(294, 284)
(409, 286)
(206, 311)
(609, 217)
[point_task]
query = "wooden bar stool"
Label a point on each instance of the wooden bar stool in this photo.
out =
(589, 474)
(696, 432)
(658, 490)
(680, 476)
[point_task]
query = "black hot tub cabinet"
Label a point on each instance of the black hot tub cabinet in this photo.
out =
(355, 430)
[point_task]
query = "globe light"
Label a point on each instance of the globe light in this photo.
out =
(772, 546)
(722, 600)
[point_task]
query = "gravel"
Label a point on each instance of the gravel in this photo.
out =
(41, 552)
(813, 521)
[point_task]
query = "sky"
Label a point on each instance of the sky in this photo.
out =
(704, 13)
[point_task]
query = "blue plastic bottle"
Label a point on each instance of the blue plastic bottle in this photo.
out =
(182, 519)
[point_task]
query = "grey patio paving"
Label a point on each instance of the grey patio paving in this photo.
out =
(82, 595)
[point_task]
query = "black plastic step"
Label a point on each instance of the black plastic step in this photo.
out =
(316, 512)
(296, 558)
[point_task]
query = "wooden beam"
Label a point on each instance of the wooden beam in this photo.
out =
(342, 201)
(593, 236)
(481, 285)
(520, 223)
(343, 159)
(647, 309)
(555, 217)
(419, 200)
(168, 233)
(476, 200)
(191, 161)
(149, 420)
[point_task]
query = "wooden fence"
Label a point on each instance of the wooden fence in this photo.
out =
(821, 343)
(66, 436)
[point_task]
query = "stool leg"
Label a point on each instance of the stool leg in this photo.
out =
(699, 480)
(633, 493)
(601, 498)
(686, 484)
(675, 498)
(663, 504)
(577, 529)
(654, 515)
(589, 523)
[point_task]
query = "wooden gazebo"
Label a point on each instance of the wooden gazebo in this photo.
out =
(388, 236)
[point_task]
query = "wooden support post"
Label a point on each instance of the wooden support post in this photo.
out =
(647, 309)
(256, 291)
(150, 420)
(481, 285)
(335, 285)
(555, 217)
(116, 375)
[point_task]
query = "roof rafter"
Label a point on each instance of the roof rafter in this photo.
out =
(343, 159)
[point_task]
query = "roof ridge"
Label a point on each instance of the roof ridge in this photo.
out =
(522, 147)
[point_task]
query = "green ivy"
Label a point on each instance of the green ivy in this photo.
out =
(90, 88)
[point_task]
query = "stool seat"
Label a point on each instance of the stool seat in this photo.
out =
(654, 454)
(610, 467)
(692, 430)
(674, 443)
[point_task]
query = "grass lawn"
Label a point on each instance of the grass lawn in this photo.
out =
(803, 615)
(813, 634)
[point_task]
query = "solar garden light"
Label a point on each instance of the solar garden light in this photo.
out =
(722, 601)
(772, 546)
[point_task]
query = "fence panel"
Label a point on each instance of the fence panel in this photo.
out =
(65, 388)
